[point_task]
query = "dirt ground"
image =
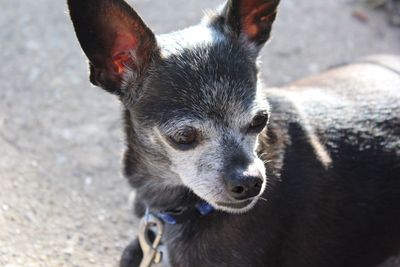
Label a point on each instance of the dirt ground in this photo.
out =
(63, 201)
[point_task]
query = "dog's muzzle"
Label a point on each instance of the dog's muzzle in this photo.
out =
(242, 185)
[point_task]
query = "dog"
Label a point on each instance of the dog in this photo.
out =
(303, 175)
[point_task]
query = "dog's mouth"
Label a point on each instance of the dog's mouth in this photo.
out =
(231, 206)
(235, 205)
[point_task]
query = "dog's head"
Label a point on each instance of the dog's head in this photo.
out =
(193, 106)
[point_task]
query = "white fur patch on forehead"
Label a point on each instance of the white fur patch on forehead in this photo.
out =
(230, 110)
(231, 102)
(173, 43)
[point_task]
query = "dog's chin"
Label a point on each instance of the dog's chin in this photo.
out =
(235, 207)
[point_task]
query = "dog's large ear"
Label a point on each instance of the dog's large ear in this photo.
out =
(114, 38)
(250, 20)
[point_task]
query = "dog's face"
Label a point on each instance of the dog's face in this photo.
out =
(194, 111)
(205, 118)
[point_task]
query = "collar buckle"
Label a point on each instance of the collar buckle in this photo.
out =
(151, 254)
(200, 209)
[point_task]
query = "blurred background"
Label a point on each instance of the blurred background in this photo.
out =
(63, 201)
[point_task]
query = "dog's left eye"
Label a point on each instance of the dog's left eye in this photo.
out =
(258, 123)
(185, 138)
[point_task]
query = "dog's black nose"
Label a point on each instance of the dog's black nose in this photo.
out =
(242, 185)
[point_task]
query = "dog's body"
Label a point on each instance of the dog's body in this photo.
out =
(323, 188)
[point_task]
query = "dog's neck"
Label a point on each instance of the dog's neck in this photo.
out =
(173, 198)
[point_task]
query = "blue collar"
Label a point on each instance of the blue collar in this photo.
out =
(200, 209)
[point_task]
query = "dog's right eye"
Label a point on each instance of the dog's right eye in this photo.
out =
(185, 138)
(258, 123)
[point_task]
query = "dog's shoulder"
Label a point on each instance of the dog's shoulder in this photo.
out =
(346, 113)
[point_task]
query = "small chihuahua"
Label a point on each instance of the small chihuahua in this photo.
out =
(304, 175)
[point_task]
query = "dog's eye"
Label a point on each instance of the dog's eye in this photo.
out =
(185, 138)
(258, 123)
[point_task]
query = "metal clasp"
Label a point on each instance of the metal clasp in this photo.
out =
(151, 255)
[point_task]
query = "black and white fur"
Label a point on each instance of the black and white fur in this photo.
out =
(328, 160)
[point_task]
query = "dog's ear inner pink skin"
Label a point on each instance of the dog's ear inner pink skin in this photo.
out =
(252, 18)
(113, 38)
